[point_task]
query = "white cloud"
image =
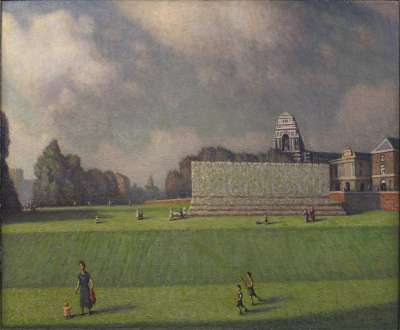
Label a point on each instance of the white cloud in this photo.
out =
(44, 65)
(54, 47)
(212, 28)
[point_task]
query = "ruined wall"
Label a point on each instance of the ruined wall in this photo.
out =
(227, 179)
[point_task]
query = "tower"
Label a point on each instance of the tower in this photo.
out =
(287, 137)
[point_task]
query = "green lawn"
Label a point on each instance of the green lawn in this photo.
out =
(340, 272)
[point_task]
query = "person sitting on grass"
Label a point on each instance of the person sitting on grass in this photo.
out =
(250, 287)
(259, 222)
(139, 214)
(84, 286)
(239, 300)
(67, 310)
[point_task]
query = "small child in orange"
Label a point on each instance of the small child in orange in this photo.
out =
(67, 310)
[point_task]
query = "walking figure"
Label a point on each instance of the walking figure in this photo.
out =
(239, 300)
(250, 287)
(85, 288)
(312, 214)
(306, 215)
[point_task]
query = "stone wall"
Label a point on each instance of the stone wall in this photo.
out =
(226, 179)
(223, 188)
(354, 202)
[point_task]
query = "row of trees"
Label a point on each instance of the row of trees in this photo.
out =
(61, 180)
(9, 202)
(178, 183)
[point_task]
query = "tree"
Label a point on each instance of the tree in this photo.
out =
(75, 177)
(174, 184)
(277, 156)
(151, 190)
(52, 186)
(9, 202)
(137, 194)
(112, 184)
(123, 185)
(96, 187)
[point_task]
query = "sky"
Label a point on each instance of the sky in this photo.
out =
(134, 86)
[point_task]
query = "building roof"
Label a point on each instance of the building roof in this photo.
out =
(388, 144)
(286, 114)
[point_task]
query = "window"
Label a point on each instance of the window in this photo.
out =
(382, 169)
(382, 158)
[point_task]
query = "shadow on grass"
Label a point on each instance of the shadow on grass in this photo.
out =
(258, 310)
(51, 215)
(272, 300)
(382, 317)
(114, 309)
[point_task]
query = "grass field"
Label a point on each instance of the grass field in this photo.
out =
(337, 273)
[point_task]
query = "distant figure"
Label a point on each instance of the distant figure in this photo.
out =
(265, 221)
(239, 300)
(250, 287)
(88, 203)
(177, 214)
(109, 203)
(67, 310)
(97, 219)
(74, 203)
(306, 215)
(139, 214)
(85, 287)
(312, 214)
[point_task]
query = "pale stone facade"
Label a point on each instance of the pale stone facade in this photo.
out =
(287, 137)
(351, 172)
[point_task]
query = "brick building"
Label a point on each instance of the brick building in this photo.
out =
(385, 165)
(351, 172)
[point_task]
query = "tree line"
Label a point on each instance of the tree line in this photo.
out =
(61, 181)
(9, 202)
(178, 182)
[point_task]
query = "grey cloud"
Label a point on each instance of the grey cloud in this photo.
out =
(220, 82)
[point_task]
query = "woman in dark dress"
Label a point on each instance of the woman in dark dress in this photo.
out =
(85, 286)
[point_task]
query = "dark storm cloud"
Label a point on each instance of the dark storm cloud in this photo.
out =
(140, 84)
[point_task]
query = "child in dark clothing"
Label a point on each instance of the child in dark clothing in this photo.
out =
(239, 300)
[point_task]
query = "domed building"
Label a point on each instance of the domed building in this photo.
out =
(287, 137)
